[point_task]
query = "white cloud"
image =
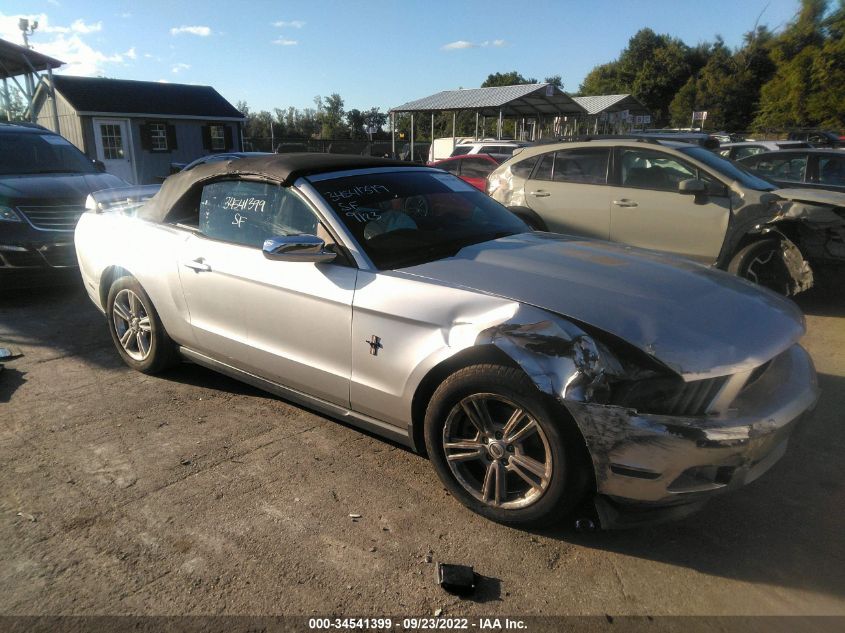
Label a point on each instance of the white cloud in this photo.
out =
(55, 3)
(294, 24)
(126, 15)
(458, 45)
(78, 26)
(285, 42)
(177, 68)
(65, 42)
(463, 44)
(202, 31)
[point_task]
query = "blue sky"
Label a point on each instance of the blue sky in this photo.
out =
(376, 53)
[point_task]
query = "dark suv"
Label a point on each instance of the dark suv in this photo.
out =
(44, 181)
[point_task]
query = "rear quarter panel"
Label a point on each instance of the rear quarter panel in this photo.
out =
(144, 250)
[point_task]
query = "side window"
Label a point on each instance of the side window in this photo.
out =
(742, 152)
(790, 168)
(523, 168)
(647, 169)
(586, 166)
(460, 150)
(451, 166)
(248, 213)
(476, 167)
(544, 169)
(832, 170)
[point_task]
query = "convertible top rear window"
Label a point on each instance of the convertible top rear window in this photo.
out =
(411, 217)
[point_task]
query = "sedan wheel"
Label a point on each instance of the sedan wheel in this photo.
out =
(504, 449)
(497, 451)
(132, 325)
(136, 329)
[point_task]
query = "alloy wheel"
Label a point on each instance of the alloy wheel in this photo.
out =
(132, 325)
(497, 451)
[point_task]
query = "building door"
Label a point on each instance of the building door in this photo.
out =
(114, 147)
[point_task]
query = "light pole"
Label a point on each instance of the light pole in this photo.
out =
(27, 29)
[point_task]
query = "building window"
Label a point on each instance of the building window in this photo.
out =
(158, 137)
(112, 142)
(218, 137)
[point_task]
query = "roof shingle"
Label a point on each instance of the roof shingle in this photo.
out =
(122, 96)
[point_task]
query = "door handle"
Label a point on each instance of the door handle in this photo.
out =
(624, 202)
(540, 193)
(198, 265)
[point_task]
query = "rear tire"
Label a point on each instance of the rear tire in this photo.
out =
(136, 329)
(762, 262)
(528, 467)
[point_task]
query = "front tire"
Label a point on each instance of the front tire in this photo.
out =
(762, 262)
(503, 449)
(136, 330)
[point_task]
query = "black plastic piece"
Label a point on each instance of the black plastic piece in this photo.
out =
(457, 579)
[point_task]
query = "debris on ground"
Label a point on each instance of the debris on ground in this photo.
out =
(456, 579)
(438, 613)
(354, 517)
(8, 353)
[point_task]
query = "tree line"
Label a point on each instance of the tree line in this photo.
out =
(773, 81)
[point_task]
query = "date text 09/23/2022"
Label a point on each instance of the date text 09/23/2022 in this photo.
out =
(416, 624)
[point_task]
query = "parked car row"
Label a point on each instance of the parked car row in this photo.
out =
(539, 370)
(678, 198)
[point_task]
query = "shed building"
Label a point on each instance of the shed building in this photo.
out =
(139, 128)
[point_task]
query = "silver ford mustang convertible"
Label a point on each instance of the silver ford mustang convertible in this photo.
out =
(543, 374)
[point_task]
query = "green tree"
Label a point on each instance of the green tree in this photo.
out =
(17, 106)
(807, 55)
(512, 78)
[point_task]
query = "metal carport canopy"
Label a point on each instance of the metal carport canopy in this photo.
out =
(17, 60)
(523, 100)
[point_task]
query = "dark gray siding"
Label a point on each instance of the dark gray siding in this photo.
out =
(153, 167)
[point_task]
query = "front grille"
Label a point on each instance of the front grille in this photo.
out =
(53, 218)
(695, 397)
(668, 395)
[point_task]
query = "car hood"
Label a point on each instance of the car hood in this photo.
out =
(18, 189)
(816, 196)
(697, 321)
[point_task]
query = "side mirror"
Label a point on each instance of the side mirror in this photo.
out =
(692, 186)
(297, 248)
(99, 165)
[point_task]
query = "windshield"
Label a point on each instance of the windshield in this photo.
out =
(28, 153)
(412, 217)
(728, 169)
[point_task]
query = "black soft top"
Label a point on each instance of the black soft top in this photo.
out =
(283, 168)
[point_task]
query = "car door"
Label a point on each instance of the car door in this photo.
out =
(289, 322)
(568, 189)
(648, 211)
(830, 171)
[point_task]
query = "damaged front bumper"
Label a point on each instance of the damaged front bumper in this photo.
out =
(650, 468)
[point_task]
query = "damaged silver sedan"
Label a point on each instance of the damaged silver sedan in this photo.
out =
(543, 374)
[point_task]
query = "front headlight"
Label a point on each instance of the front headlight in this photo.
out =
(8, 214)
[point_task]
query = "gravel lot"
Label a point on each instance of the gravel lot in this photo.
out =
(190, 493)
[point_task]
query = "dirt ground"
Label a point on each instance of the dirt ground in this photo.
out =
(190, 493)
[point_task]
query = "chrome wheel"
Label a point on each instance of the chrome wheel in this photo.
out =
(497, 451)
(132, 325)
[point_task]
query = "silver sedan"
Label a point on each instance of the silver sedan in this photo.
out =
(544, 375)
